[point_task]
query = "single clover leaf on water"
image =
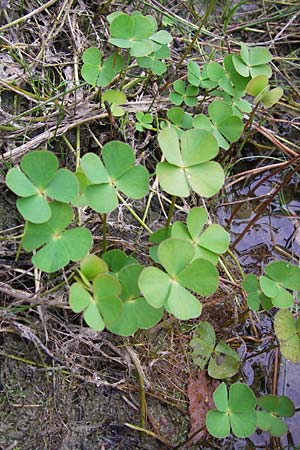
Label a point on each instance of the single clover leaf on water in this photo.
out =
(279, 277)
(183, 93)
(253, 61)
(37, 179)
(235, 411)
(287, 330)
(99, 72)
(208, 243)
(59, 246)
(222, 123)
(188, 164)
(116, 174)
(222, 361)
(273, 408)
(169, 289)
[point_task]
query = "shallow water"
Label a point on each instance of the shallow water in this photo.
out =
(277, 227)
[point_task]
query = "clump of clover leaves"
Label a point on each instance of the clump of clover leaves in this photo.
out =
(137, 33)
(144, 120)
(58, 245)
(273, 287)
(114, 99)
(188, 163)
(274, 407)
(38, 179)
(223, 362)
(287, 330)
(116, 173)
(183, 272)
(184, 93)
(137, 313)
(98, 72)
(222, 123)
(235, 411)
(259, 88)
(108, 295)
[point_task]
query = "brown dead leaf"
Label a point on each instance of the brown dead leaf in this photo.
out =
(200, 394)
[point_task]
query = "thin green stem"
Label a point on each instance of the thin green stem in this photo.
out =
(104, 232)
(134, 214)
(171, 210)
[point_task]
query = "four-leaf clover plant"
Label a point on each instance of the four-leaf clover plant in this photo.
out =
(39, 180)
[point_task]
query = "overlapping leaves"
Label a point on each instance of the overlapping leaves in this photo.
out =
(98, 295)
(253, 61)
(58, 245)
(108, 295)
(38, 178)
(116, 174)
(222, 123)
(188, 163)
(169, 289)
(210, 242)
(259, 88)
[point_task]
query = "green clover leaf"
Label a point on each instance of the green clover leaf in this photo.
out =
(183, 93)
(259, 88)
(144, 120)
(59, 246)
(37, 179)
(153, 61)
(223, 123)
(210, 243)
(138, 33)
(253, 61)
(287, 330)
(100, 303)
(170, 289)
(222, 361)
(116, 174)
(115, 98)
(97, 72)
(188, 164)
(255, 297)
(236, 411)
(274, 407)
(280, 276)
(137, 313)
